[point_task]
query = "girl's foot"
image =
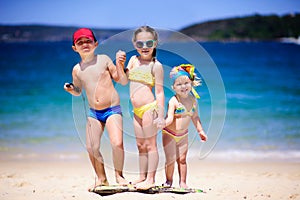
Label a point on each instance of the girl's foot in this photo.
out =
(138, 181)
(98, 183)
(122, 181)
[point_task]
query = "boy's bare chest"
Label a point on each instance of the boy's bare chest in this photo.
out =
(92, 72)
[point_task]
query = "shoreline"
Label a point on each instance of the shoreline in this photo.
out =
(69, 179)
(77, 152)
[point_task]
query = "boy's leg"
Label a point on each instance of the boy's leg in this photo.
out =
(182, 148)
(94, 131)
(114, 126)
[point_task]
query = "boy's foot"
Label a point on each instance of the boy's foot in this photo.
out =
(167, 184)
(145, 185)
(98, 183)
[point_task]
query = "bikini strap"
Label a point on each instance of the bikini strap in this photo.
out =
(130, 67)
(179, 102)
(177, 98)
(152, 66)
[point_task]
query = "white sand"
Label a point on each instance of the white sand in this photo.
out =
(52, 179)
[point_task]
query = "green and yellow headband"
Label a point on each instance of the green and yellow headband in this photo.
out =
(185, 70)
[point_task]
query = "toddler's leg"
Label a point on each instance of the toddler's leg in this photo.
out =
(182, 148)
(170, 156)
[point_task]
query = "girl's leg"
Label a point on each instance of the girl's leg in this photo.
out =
(182, 149)
(94, 131)
(169, 145)
(143, 156)
(114, 127)
(150, 134)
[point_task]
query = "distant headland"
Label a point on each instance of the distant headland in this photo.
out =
(248, 28)
(255, 27)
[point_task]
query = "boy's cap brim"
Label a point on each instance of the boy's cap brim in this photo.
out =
(83, 32)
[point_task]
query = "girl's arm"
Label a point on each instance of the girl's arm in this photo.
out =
(120, 62)
(117, 71)
(197, 123)
(119, 74)
(159, 92)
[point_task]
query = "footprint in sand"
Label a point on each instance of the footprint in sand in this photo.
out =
(23, 184)
(6, 175)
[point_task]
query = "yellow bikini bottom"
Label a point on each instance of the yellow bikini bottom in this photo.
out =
(176, 137)
(141, 110)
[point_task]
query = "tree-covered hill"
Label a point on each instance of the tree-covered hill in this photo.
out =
(254, 27)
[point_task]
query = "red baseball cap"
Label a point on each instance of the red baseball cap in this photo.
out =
(83, 32)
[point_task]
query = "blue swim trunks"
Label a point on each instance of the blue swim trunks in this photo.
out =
(103, 115)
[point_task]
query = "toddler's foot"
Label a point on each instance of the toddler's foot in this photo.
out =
(145, 185)
(183, 185)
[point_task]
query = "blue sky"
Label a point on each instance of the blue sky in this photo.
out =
(167, 14)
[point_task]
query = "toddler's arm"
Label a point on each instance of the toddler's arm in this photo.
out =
(171, 109)
(197, 123)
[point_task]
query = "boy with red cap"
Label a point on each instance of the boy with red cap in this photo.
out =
(94, 74)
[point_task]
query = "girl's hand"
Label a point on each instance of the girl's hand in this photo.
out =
(160, 123)
(120, 58)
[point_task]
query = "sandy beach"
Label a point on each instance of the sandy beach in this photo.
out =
(25, 178)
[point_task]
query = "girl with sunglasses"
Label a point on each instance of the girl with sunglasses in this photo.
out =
(182, 109)
(145, 72)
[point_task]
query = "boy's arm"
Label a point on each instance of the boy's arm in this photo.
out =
(74, 88)
(197, 123)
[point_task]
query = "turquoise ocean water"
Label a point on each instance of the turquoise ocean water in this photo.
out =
(261, 82)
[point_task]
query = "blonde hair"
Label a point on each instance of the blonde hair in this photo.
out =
(145, 29)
